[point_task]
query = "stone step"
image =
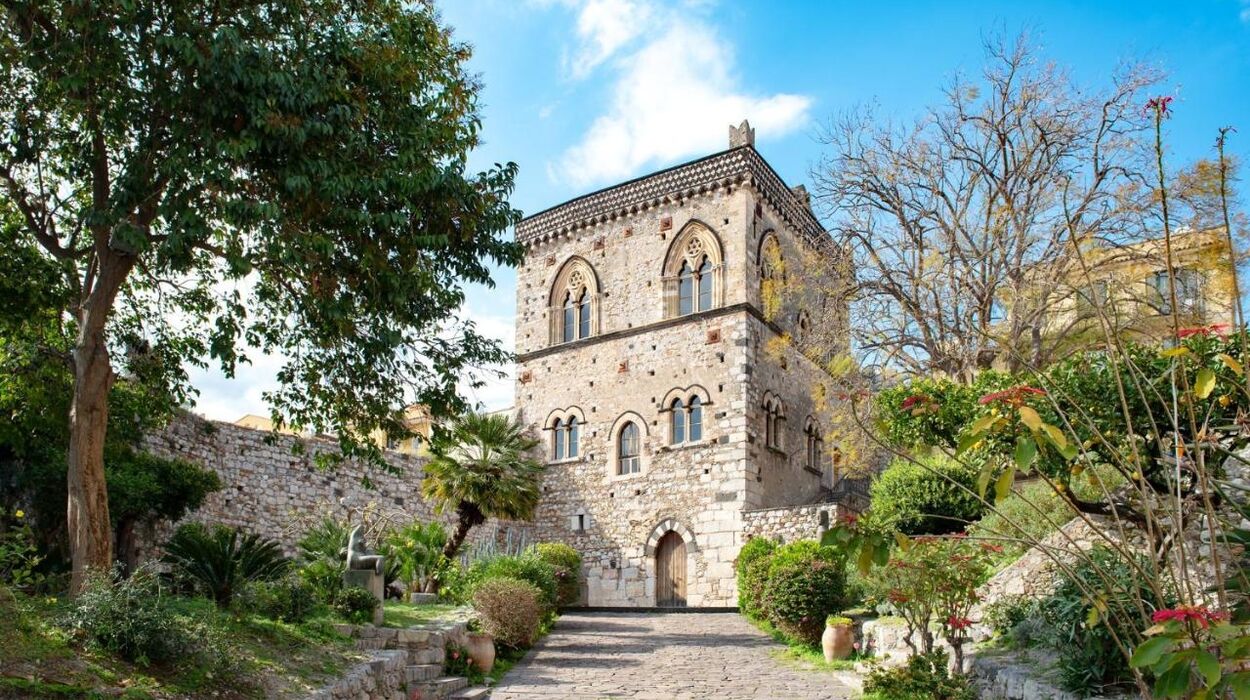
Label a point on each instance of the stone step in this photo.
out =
(415, 673)
(480, 692)
(372, 644)
(434, 655)
(439, 687)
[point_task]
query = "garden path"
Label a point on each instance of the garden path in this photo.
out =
(660, 655)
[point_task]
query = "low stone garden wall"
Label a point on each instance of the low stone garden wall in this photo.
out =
(403, 664)
(790, 523)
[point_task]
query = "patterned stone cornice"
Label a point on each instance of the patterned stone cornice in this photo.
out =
(741, 166)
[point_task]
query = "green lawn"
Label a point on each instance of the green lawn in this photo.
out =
(397, 614)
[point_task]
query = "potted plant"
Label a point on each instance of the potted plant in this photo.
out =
(481, 647)
(839, 638)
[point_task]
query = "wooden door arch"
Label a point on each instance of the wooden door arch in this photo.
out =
(670, 571)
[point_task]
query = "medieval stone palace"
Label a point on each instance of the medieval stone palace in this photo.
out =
(674, 426)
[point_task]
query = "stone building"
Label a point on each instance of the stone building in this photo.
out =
(658, 361)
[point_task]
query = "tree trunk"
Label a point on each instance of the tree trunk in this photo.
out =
(467, 515)
(87, 511)
(125, 547)
(90, 542)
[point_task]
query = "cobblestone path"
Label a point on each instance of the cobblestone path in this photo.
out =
(657, 655)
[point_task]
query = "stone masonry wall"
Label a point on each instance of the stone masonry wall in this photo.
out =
(791, 523)
(268, 489)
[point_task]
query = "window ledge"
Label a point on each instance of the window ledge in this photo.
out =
(566, 460)
(626, 477)
(813, 470)
(679, 446)
(777, 450)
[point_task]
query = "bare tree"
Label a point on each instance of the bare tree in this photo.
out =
(964, 223)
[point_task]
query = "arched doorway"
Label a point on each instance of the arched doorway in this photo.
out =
(670, 571)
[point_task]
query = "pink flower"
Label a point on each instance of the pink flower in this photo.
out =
(1188, 613)
(455, 654)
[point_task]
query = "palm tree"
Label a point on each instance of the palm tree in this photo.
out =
(483, 468)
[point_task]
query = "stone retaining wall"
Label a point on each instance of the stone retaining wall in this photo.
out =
(269, 489)
(379, 678)
(790, 523)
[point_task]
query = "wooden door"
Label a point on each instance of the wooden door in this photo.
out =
(670, 571)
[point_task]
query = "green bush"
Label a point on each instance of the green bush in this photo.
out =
(130, 617)
(525, 567)
(567, 564)
(222, 560)
(806, 583)
(925, 677)
(416, 554)
(289, 599)
(920, 499)
(752, 570)
(1017, 518)
(355, 604)
(1016, 620)
(1089, 659)
(510, 610)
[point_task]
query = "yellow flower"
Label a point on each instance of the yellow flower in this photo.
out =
(20, 514)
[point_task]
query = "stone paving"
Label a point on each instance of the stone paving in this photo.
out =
(661, 655)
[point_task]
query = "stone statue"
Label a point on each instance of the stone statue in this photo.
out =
(358, 555)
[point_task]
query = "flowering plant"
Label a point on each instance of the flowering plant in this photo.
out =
(19, 557)
(1194, 651)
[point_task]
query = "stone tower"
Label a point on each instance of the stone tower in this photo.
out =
(674, 425)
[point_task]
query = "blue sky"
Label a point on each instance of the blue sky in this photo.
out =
(582, 94)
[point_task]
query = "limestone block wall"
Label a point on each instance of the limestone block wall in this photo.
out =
(790, 523)
(269, 490)
(698, 487)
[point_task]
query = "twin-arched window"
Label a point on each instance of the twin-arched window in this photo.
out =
(629, 450)
(576, 322)
(774, 422)
(815, 445)
(564, 438)
(694, 287)
(687, 420)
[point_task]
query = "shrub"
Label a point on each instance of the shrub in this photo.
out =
(805, 585)
(1016, 517)
(19, 555)
(510, 610)
(130, 617)
(416, 553)
(222, 560)
(324, 579)
(919, 499)
(355, 604)
(526, 567)
(289, 599)
(925, 677)
(1089, 659)
(568, 569)
(751, 577)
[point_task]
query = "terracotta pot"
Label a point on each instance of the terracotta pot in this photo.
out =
(838, 641)
(481, 651)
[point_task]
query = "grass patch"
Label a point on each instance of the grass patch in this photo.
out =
(798, 654)
(400, 614)
(38, 659)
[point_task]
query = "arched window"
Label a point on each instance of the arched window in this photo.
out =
(803, 328)
(572, 437)
(573, 302)
(696, 419)
(685, 290)
(771, 276)
(558, 446)
(705, 285)
(628, 461)
(814, 454)
(774, 420)
(679, 421)
(569, 311)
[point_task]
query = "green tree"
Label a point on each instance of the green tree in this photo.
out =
(482, 468)
(202, 177)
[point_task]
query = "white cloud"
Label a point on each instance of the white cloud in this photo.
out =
(604, 26)
(673, 96)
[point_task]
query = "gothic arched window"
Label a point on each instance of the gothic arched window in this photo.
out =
(815, 445)
(685, 290)
(583, 315)
(774, 420)
(679, 421)
(691, 271)
(569, 311)
(573, 302)
(771, 275)
(628, 450)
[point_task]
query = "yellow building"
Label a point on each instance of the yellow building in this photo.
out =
(416, 418)
(1130, 285)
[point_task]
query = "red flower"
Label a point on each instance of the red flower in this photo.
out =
(958, 623)
(849, 518)
(913, 400)
(1220, 329)
(898, 597)
(1188, 613)
(1014, 396)
(995, 548)
(1160, 105)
